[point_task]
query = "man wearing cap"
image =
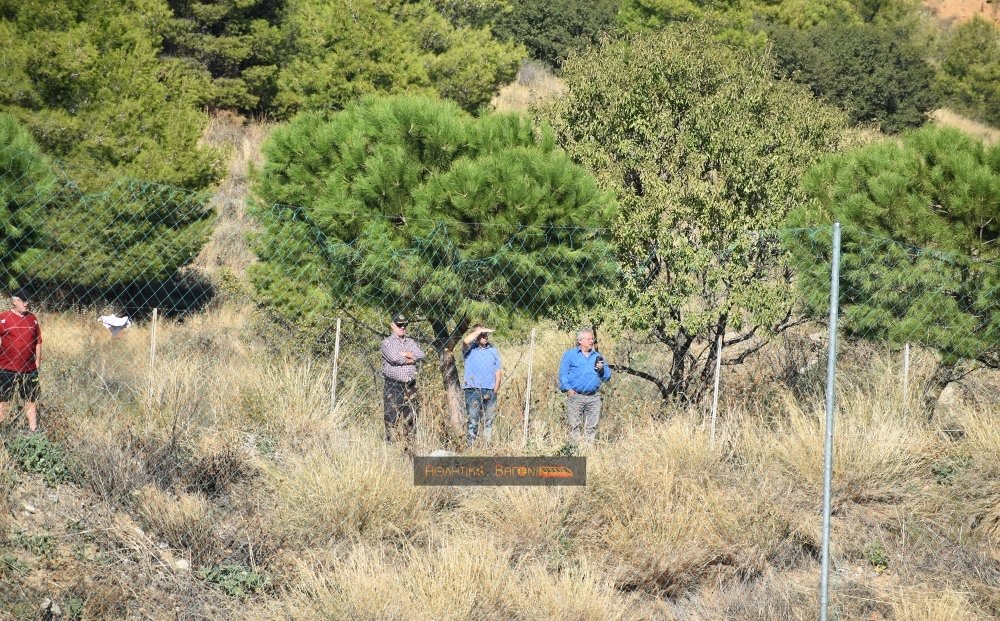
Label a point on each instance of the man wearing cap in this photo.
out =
(482, 381)
(581, 375)
(20, 355)
(400, 354)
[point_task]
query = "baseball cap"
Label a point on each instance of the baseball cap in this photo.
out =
(400, 319)
(22, 294)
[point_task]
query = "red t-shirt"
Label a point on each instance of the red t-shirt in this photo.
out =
(19, 337)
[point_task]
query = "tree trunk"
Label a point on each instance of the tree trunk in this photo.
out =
(445, 342)
(680, 374)
(943, 375)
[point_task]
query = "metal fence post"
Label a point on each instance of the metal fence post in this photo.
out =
(336, 360)
(715, 391)
(831, 370)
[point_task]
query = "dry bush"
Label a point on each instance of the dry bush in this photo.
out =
(878, 452)
(183, 521)
(929, 604)
(456, 580)
(351, 488)
(661, 519)
(534, 523)
(534, 83)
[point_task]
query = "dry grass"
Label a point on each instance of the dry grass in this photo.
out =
(950, 118)
(242, 138)
(347, 490)
(183, 521)
(455, 580)
(232, 455)
(534, 83)
(929, 604)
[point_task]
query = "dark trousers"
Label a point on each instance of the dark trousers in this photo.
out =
(399, 401)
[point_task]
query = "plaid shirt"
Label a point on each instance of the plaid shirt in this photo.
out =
(394, 365)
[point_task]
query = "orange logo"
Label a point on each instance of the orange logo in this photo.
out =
(554, 472)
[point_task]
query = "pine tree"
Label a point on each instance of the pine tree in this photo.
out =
(26, 183)
(921, 259)
(409, 203)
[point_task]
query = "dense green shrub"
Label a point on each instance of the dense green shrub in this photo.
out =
(872, 73)
(920, 245)
(26, 183)
(338, 51)
(86, 80)
(550, 29)
(234, 45)
(969, 73)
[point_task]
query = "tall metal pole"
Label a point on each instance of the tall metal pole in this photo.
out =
(527, 391)
(336, 358)
(715, 392)
(906, 370)
(831, 370)
(152, 350)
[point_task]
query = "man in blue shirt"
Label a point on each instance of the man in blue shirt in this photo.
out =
(581, 375)
(482, 380)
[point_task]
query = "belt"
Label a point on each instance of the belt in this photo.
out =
(587, 394)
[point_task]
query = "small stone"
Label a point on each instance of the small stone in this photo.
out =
(29, 508)
(50, 608)
(182, 564)
(162, 545)
(53, 497)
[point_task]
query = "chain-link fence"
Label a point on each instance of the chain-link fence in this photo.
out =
(311, 310)
(130, 247)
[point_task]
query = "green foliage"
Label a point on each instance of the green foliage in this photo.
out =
(37, 455)
(39, 545)
(410, 203)
(735, 20)
(235, 580)
(947, 470)
(705, 150)
(729, 20)
(339, 51)
(872, 73)
(550, 29)
(235, 42)
(131, 232)
(25, 185)
(937, 191)
(877, 557)
(85, 79)
(475, 13)
(969, 75)
(10, 564)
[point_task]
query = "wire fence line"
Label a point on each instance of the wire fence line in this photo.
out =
(130, 247)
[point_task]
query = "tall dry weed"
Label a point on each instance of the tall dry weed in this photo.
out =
(929, 604)
(352, 488)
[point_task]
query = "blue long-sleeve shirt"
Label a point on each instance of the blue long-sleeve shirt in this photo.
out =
(576, 372)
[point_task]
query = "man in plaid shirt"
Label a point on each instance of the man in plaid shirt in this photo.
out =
(400, 354)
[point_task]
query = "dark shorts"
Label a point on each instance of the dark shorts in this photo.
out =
(23, 385)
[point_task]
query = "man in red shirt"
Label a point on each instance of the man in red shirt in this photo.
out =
(20, 355)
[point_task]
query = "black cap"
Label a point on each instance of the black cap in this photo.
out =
(400, 320)
(22, 294)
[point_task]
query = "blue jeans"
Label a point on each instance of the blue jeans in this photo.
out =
(480, 404)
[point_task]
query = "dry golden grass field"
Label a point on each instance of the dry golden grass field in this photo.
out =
(220, 483)
(225, 487)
